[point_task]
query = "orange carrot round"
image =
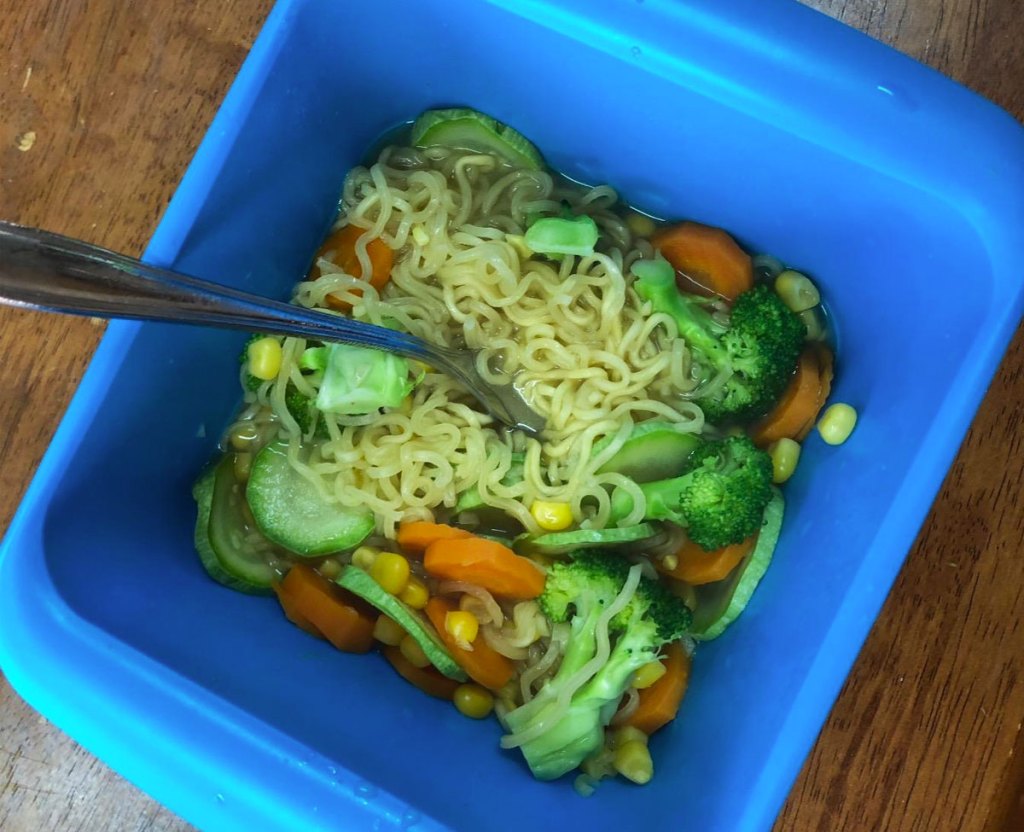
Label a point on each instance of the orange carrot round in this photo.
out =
(483, 663)
(659, 703)
(796, 411)
(340, 249)
(326, 607)
(698, 566)
(427, 679)
(707, 256)
(415, 536)
(292, 613)
(486, 563)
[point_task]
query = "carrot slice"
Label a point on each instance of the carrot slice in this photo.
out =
(706, 256)
(797, 410)
(427, 679)
(486, 563)
(414, 537)
(340, 249)
(340, 619)
(292, 613)
(659, 703)
(483, 663)
(826, 373)
(698, 566)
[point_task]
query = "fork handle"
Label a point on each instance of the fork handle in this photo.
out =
(50, 272)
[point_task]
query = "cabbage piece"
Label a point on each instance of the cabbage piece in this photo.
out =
(358, 380)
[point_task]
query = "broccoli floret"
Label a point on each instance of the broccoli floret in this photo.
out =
(250, 382)
(759, 347)
(719, 499)
(305, 413)
(579, 591)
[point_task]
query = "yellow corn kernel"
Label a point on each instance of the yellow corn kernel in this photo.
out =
(670, 562)
(518, 242)
(797, 291)
(785, 454)
(463, 627)
(633, 761)
(552, 517)
(627, 733)
(364, 556)
(388, 631)
(420, 235)
(241, 465)
(391, 571)
(837, 424)
(640, 224)
(648, 674)
(415, 593)
(412, 651)
(330, 568)
(264, 356)
(242, 437)
(473, 701)
(814, 323)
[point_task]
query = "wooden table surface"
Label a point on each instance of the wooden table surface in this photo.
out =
(103, 103)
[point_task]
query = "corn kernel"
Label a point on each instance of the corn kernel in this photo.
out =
(391, 571)
(837, 424)
(633, 761)
(552, 517)
(388, 631)
(627, 733)
(640, 224)
(415, 593)
(364, 556)
(412, 651)
(330, 568)
(648, 674)
(420, 235)
(670, 562)
(473, 701)
(797, 291)
(785, 454)
(463, 627)
(243, 436)
(264, 356)
(815, 324)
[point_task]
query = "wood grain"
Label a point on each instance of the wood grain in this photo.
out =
(104, 103)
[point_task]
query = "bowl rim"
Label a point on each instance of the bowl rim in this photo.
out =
(46, 649)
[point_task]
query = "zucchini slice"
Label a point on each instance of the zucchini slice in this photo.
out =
(359, 582)
(469, 130)
(721, 603)
(654, 451)
(233, 553)
(290, 511)
(562, 543)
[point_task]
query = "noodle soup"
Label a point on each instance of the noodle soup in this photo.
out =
(560, 581)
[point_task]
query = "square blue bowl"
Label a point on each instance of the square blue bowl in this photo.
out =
(900, 191)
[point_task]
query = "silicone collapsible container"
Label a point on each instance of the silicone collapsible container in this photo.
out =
(887, 182)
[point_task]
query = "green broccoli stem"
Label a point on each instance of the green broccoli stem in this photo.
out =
(580, 732)
(662, 498)
(581, 649)
(656, 282)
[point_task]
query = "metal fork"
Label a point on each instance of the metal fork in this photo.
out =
(53, 273)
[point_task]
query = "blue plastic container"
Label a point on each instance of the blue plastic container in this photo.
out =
(901, 192)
